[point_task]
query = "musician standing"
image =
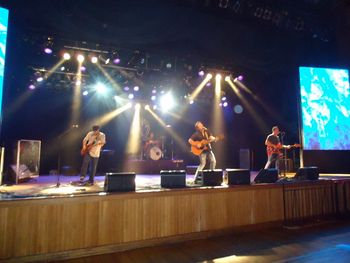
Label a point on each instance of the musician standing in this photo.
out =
(92, 144)
(273, 146)
(196, 140)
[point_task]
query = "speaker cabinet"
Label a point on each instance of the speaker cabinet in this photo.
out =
(238, 176)
(307, 173)
(119, 182)
(212, 177)
(267, 176)
(173, 178)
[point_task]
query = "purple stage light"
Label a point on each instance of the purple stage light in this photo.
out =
(48, 50)
(126, 88)
(225, 104)
(240, 77)
(201, 73)
(82, 68)
(116, 61)
(31, 86)
(208, 84)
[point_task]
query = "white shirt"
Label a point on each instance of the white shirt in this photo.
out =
(97, 140)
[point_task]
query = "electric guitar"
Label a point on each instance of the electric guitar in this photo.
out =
(198, 150)
(277, 148)
(86, 148)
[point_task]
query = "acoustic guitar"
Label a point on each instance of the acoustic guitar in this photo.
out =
(86, 148)
(197, 151)
(277, 149)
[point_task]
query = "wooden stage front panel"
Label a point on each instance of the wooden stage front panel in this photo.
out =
(54, 225)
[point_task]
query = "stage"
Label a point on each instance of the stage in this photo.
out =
(40, 221)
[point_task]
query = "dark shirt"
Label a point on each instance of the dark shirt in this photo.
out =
(198, 136)
(273, 139)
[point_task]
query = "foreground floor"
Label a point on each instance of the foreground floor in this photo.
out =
(326, 242)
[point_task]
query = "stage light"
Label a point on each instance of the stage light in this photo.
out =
(116, 61)
(167, 102)
(82, 69)
(129, 105)
(154, 91)
(223, 98)
(153, 97)
(191, 101)
(201, 73)
(218, 77)
(107, 61)
(78, 82)
(94, 60)
(225, 104)
(155, 107)
(63, 68)
(138, 106)
(80, 58)
(147, 107)
(66, 56)
(126, 88)
(238, 109)
(100, 88)
(131, 96)
(208, 84)
(48, 50)
(39, 79)
(209, 76)
(136, 88)
(227, 78)
(31, 86)
(240, 78)
(85, 93)
(220, 104)
(168, 65)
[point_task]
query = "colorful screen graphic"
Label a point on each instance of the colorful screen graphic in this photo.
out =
(325, 105)
(4, 14)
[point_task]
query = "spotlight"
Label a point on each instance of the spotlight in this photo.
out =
(155, 107)
(167, 102)
(136, 88)
(39, 79)
(201, 73)
(82, 69)
(223, 98)
(85, 93)
(129, 104)
(78, 83)
(126, 88)
(240, 77)
(168, 65)
(208, 84)
(218, 77)
(153, 97)
(116, 61)
(138, 106)
(66, 56)
(238, 109)
(31, 86)
(63, 68)
(107, 61)
(227, 78)
(191, 101)
(94, 60)
(154, 91)
(100, 88)
(131, 96)
(209, 76)
(48, 50)
(147, 107)
(80, 58)
(225, 104)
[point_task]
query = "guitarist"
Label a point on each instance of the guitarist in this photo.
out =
(273, 146)
(92, 144)
(203, 134)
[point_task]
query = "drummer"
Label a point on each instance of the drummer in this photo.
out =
(151, 141)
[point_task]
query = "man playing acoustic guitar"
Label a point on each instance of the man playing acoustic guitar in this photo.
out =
(200, 145)
(92, 144)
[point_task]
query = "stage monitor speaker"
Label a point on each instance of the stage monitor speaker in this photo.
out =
(267, 176)
(238, 176)
(307, 173)
(173, 178)
(119, 182)
(212, 177)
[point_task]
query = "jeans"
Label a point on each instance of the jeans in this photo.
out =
(273, 158)
(203, 160)
(93, 165)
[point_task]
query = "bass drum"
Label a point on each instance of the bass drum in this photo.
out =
(155, 153)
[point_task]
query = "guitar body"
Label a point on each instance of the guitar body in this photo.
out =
(204, 145)
(86, 148)
(278, 149)
(197, 151)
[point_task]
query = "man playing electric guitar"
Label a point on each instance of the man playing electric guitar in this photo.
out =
(200, 141)
(273, 147)
(92, 144)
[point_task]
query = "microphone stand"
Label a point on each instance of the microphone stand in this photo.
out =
(284, 155)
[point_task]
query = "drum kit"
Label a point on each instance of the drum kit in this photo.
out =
(153, 150)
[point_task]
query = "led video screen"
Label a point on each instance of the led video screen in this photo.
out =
(4, 14)
(325, 108)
